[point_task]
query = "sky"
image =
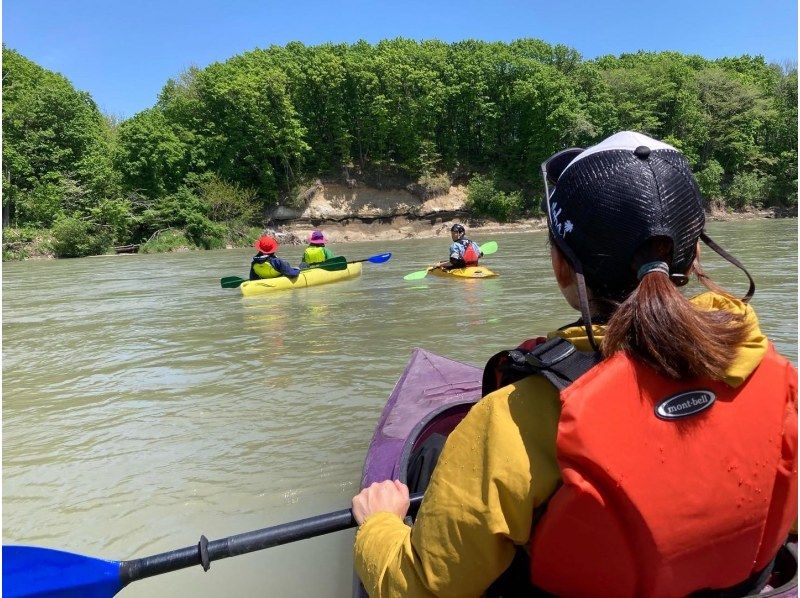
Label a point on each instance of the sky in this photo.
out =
(123, 52)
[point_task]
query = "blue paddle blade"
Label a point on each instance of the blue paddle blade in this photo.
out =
(379, 259)
(34, 572)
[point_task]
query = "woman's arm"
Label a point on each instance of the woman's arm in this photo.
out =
(285, 267)
(496, 467)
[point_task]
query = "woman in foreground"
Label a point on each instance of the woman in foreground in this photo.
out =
(649, 449)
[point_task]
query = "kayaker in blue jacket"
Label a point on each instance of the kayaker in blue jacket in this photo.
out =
(463, 252)
(266, 264)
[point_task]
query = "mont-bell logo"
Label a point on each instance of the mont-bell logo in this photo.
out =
(685, 404)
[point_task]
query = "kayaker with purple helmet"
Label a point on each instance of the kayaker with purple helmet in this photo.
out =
(316, 251)
(266, 264)
(649, 449)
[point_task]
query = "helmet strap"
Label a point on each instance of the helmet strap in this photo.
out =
(708, 241)
(583, 296)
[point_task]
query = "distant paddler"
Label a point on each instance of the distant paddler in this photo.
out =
(463, 252)
(316, 252)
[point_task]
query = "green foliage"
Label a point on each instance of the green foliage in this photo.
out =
(116, 216)
(485, 199)
(41, 205)
(168, 240)
(24, 242)
(75, 237)
(172, 211)
(204, 233)
(228, 202)
(434, 184)
(747, 189)
(709, 179)
(51, 133)
(149, 155)
(225, 142)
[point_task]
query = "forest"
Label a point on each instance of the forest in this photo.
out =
(224, 144)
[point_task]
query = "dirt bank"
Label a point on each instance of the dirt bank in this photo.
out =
(361, 213)
(402, 227)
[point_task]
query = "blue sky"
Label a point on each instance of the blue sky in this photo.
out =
(123, 52)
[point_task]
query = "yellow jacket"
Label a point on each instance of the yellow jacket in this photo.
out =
(497, 466)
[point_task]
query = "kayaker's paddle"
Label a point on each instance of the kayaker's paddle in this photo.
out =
(374, 259)
(487, 249)
(333, 264)
(231, 282)
(30, 571)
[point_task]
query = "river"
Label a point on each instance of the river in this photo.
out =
(144, 405)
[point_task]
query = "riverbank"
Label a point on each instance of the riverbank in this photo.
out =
(350, 213)
(401, 227)
(358, 212)
(352, 230)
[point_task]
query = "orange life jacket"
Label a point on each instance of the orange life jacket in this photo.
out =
(653, 506)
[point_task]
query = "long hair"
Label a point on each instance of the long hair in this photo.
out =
(659, 326)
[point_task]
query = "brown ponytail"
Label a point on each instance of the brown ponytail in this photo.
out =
(660, 327)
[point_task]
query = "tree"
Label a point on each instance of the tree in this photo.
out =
(150, 156)
(51, 133)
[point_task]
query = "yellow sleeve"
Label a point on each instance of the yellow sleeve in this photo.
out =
(496, 467)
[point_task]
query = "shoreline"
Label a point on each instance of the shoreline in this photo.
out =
(356, 229)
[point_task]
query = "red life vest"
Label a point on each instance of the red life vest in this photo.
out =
(471, 253)
(664, 507)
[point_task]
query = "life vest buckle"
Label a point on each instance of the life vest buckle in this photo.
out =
(550, 353)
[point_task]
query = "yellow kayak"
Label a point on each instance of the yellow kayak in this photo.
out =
(306, 278)
(468, 272)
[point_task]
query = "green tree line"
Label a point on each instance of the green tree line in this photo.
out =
(225, 143)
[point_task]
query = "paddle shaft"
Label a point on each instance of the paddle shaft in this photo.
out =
(242, 544)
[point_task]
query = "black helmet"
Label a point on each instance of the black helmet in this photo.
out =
(610, 199)
(457, 228)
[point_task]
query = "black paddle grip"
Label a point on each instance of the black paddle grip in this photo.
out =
(204, 552)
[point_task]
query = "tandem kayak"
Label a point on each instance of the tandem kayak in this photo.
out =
(468, 272)
(432, 396)
(307, 278)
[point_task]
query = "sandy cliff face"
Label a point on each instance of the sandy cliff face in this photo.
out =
(364, 213)
(339, 202)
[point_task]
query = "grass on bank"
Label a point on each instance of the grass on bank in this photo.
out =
(75, 238)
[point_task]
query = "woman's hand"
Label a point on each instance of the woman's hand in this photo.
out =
(387, 497)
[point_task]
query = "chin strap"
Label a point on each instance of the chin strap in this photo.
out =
(583, 296)
(708, 241)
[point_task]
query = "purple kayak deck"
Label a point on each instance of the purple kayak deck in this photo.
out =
(429, 383)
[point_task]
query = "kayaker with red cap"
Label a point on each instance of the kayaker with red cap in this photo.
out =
(266, 264)
(316, 251)
(649, 449)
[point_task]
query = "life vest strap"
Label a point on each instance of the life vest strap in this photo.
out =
(560, 362)
(557, 359)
